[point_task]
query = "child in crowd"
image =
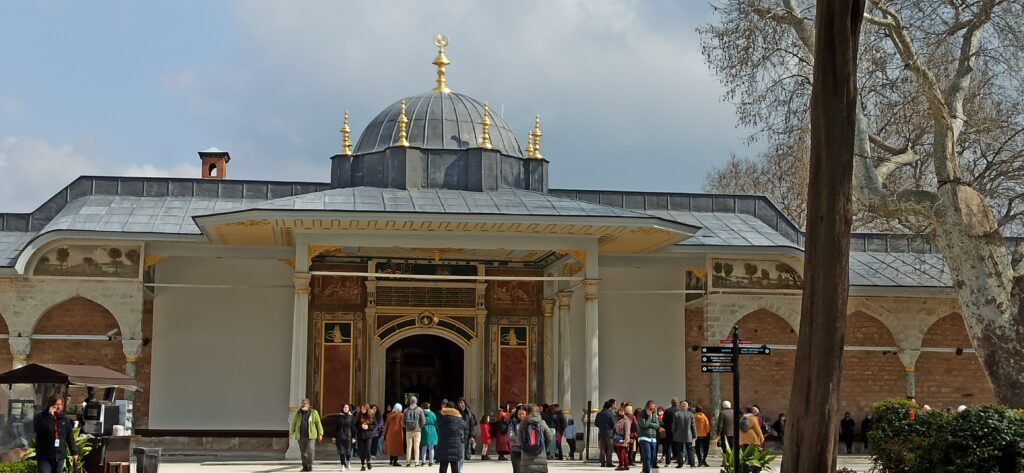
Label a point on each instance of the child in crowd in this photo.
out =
(485, 436)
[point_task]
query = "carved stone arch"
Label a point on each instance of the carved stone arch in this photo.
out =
(787, 309)
(864, 328)
(425, 331)
(77, 316)
(126, 311)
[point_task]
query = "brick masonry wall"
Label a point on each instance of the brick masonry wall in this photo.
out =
(944, 379)
(868, 376)
(77, 316)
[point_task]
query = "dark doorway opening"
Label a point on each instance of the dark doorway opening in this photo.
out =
(427, 366)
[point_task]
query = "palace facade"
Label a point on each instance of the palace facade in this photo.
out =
(436, 260)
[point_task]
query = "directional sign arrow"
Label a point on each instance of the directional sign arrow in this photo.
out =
(716, 350)
(716, 359)
(761, 350)
(716, 369)
(744, 350)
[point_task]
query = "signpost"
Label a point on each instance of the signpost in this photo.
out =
(726, 359)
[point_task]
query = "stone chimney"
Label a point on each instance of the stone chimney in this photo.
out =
(215, 163)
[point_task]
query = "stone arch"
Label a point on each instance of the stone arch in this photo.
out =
(425, 331)
(869, 376)
(944, 379)
(740, 306)
(77, 316)
(123, 300)
(767, 380)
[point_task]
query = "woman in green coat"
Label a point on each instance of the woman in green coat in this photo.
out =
(429, 440)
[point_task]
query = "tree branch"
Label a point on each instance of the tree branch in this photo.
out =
(965, 65)
(907, 157)
(788, 15)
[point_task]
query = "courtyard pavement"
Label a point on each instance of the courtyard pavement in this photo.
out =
(859, 463)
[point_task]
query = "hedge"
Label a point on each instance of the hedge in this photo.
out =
(981, 439)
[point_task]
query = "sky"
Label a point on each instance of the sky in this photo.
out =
(137, 88)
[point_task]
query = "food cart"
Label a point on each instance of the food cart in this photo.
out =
(96, 417)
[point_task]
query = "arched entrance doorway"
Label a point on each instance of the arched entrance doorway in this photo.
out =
(427, 366)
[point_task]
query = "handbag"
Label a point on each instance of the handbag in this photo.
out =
(618, 438)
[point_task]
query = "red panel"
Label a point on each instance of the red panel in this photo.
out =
(337, 373)
(514, 372)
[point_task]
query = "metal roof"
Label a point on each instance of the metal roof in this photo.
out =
(438, 121)
(723, 229)
(11, 244)
(898, 270)
(444, 201)
(127, 214)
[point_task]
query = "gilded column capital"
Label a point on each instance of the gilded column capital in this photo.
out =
(132, 350)
(301, 282)
(20, 347)
(564, 299)
(590, 286)
(549, 307)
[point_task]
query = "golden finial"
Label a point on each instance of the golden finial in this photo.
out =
(346, 142)
(529, 144)
(441, 62)
(402, 122)
(485, 124)
(536, 138)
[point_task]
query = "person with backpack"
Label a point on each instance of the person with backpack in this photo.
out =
(750, 429)
(451, 438)
(501, 433)
(429, 440)
(534, 435)
(413, 421)
(517, 423)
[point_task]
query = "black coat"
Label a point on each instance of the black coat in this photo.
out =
(667, 419)
(344, 432)
(605, 423)
(452, 433)
(44, 426)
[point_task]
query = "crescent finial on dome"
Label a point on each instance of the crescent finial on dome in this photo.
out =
(441, 61)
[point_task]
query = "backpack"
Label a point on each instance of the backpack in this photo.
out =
(410, 420)
(533, 441)
(744, 424)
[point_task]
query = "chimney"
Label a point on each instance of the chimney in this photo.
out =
(215, 163)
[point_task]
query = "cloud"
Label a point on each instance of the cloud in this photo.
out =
(35, 169)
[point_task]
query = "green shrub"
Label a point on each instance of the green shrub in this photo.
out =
(27, 466)
(753, 459)
(982, 439)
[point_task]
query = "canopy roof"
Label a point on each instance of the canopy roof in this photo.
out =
(75, 375)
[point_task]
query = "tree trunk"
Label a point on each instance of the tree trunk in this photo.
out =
(979, 262)
(814, 399)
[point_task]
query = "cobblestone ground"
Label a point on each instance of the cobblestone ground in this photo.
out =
(181, 465)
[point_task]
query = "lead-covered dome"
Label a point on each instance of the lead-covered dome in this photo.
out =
(438, 120)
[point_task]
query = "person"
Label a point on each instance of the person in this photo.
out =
(703, 427)
(661, 436)
(470, 418)
(666, 423)
(55, 437)
(305, 428)
(485, 436)
(570, 437)
(365, 426)
(621, 435)
(501, 434)
(750, 429)
(516, 449)
(683, 434)
(865, 427)
(392, 435)
(647, 436)
(605, 423)
(725, 428)
(344, 436)
(534, 429)
(376, 446)
(413, 420)
(560, 423)
(633, 431)
(780, 428)
(429, 441)
(451, 434)
(846, 427)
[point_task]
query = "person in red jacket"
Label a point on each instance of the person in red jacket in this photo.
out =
(485, 436)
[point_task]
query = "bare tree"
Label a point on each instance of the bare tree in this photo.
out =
(779, 173)
(940, 135)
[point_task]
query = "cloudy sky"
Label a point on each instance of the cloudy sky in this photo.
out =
(136, 88)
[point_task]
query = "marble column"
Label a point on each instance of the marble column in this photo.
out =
(909, 359)
(132, 353)
(564, 351)
(300, 339)
(550, 353)
(20, 349)
(592, 352)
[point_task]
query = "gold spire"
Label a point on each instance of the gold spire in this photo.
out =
(346, 142)
(485, 124)
(402, 122)
(529, 144)
(441, 62)
(536, 134)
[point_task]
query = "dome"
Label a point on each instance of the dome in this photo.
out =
(438, 121)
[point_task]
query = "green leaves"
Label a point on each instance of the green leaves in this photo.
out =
(752, 460)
